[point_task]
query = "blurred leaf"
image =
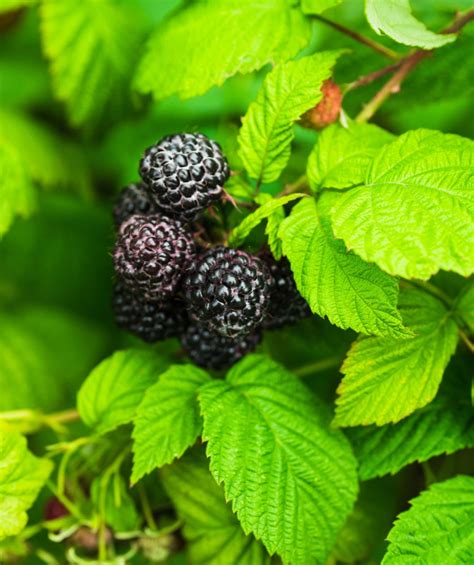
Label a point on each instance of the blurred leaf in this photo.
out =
(267, 128)
(394, 18)
(167, 420)
(93, 46)
(406, 374)
(360, 296)
(60, 257)
(112, 392)
(341, 156)
(465, 305)
(31, 376)
(22, 475)
(318, 6)
(212, 530)
(206, 51)
(10, 5)
(113, 498)
(442, 518)
(426, 176)
(282, 443)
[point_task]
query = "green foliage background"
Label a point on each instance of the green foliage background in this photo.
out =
(315, 444)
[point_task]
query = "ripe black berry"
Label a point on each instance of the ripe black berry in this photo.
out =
(151, 255)
(212, 351)
(134, 199)
(151, 321)
(185, 173)
(227, 290)
(286, 305)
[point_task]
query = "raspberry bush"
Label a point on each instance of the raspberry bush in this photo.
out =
(236, 282)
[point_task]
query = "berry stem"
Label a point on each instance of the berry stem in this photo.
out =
(367, 79)
(405, 66)
(318, 366)
(375, 45)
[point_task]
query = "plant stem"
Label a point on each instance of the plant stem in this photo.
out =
(318, 366)
(367, 79)
(434, 291)
(147, 512)
(375, 45)
(404, 68)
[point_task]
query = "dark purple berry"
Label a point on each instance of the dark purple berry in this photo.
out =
(286, 305)
(151, 255)
(227, 291)
(185, 174)
(151, 321)
(134, 199)
(212, 351)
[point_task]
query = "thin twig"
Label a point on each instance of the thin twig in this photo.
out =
(318, 366)
(375, 45)
(367, 79)
(405, 67)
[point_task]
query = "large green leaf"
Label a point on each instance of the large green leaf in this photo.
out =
(337, 284)
(214, 39)
(437, 528)
(112, 392)
(394, 18)
(253, 220)
(167, 420)
(267, 129)
(93, 46)
(213, 532)
(22, 475)
(290, 476)
(342, 156)
(387, 379)
(444, 426)
(414, 215)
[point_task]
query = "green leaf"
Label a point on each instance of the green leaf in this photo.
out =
(290, 476)
(17, 195)
(212, 531)
(342, 156)
(167, 420)
(11, 5)
(272, 228)
(465, 305)
(359, 295)
(93, 46)
(318, 6)
(446, 425)
(414, 215)
(112, 392)
(112, 500)
(387, 379)
(368, 522)
(215, 39)
(437, 528)
(252, 220)
(22, 476)
(267, 129)
(394, 18)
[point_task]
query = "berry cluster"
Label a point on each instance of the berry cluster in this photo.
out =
(215, 300)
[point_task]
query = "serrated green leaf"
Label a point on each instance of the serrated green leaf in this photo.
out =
(387, 379)
(288, 91)
(272, 228)
(318, 6)
(213, 532)
(205, 52)
(239, 233)
(167, 420)
(465, 305)
(359, 296)
(341, 156)
(112, 500)
(446, 425)
(437, 528)
(394, 18)
(290, 476)
(93, 46)
(414, 215)
(112, 392)
(22, 475)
